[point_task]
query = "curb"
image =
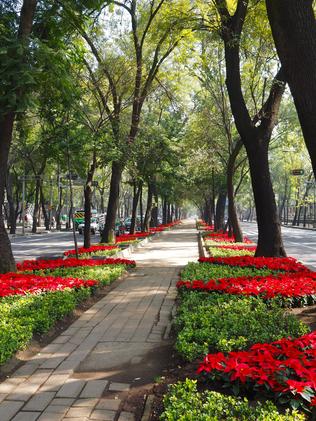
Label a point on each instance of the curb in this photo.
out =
(202, 248)
(148, 405)
(132, 247)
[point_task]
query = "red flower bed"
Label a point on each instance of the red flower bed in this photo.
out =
(92, 249)
(286, 367)
(294, 285)
(131, 237)
(21, 284)
(224, 237)
(32, 265)
(287, 264)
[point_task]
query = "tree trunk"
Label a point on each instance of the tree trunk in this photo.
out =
(255, 133)
(294, 32)
(232, 211)
(168, 213)
(148, 207)
(164, 210)
(45, 214)
(59, 208)
(36, 206)
(7, 262)
(102, 207)
(114, 194)
(87, 202)
(12, 211)
(269, 230)
(154, 212)
(141, 207)
(219, 222)
(135, 205)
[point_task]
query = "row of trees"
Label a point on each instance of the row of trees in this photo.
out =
(176, 96)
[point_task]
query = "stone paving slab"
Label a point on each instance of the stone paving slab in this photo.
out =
(129, 322)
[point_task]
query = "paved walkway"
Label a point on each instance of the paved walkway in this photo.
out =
(84, 373)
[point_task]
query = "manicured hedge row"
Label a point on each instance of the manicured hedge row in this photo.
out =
(221, 322)
(185, 403)
(46, 296)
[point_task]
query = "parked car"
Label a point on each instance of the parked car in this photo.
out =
(94, 227)
(128, 222)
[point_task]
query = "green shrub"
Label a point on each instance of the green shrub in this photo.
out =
(22, 316)
(185, 403)
(106, 253)
(210, 243)
(206, 271)
(221, 322)
(220, 252)
(103, 274)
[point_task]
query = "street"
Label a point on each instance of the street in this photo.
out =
(299, 243)
(45, 245)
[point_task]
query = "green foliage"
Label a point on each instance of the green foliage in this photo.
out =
(21, 317)
(185, 403)
(221, 322)
(220, 252)
(106, 253)
(205, 271)
(103, 274)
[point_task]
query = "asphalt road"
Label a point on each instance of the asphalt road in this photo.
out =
(298, 243)
(44, 245)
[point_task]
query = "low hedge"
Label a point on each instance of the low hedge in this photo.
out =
(23, 316)
(220, 322)
(103, 274)
(185, 403)
(222, 252)
(206, 271)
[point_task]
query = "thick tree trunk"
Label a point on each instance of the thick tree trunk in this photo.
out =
(219, 222)
(87, 202)
(256, 133)
(232, 211)
(114, 194)
(269, 230)
(7, 262)
(294, 32)
(148, 207)
(136, 195)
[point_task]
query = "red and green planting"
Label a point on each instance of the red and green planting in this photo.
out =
(45, 291)
(97, 250)
(231, 250)
(233, 320)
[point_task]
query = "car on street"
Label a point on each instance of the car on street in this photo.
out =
(94, 227)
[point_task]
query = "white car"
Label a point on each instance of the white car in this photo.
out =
(94, 227)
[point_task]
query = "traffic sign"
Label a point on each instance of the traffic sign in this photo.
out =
(298, 171)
